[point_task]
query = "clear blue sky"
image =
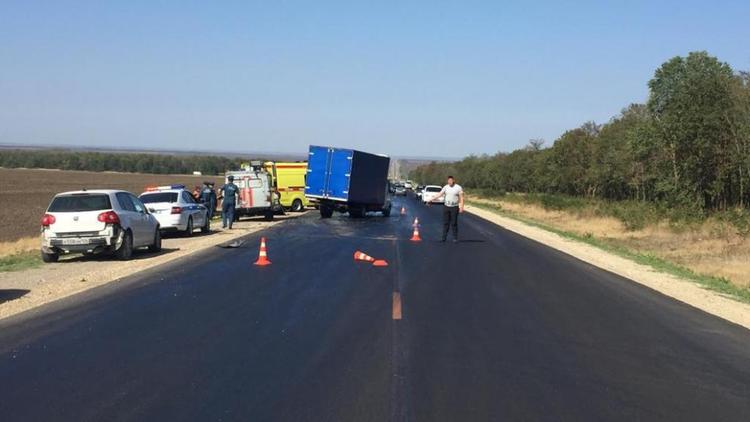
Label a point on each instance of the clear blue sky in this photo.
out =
(425, 78)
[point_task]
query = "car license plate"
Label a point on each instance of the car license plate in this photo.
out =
(75, 241)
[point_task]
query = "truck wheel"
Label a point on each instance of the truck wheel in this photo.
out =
(387, 211)
(126, 249)
(156, 246)
(357, 212)
(326, 211)
(50, 257)
(297, 205)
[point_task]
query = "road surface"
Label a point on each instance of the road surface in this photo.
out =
(496, 327)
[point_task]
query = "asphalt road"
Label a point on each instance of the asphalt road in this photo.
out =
(496, 327)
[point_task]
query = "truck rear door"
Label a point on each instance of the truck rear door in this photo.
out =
(339, 173)
(317, 171)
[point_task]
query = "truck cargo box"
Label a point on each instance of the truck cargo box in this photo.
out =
(347, 177)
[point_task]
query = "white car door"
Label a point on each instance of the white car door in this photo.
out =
(129, 218)
(194, 209)
(146, 224)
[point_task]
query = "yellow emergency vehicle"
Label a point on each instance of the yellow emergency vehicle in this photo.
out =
(289, 179)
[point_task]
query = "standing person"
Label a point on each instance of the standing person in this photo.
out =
(453, 205)
(208, 198)
(229, 192)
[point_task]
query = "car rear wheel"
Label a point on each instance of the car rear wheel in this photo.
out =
(189, 228)
(297, 205)
(50, 257)
(126, 249)
(156, 246)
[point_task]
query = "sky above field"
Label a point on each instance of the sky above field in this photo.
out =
(432, 78)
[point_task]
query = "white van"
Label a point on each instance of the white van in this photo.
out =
(257, 195)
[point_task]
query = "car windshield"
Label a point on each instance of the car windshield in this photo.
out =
(432, 189)
(150, 198)
(80, 202)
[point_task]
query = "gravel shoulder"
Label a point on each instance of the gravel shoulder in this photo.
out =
(683, 290)
(50, 282)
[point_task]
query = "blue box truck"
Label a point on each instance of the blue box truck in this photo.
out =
(347, 180)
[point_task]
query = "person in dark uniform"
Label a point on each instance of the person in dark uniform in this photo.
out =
(208, 198)
(229, 193)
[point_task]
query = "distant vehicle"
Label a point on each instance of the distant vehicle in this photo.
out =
(408, 185)
(399, 190)
(348, 180)
(97, 221)
(176, 209)
(430, 192)
(289, 181)
(257, 195)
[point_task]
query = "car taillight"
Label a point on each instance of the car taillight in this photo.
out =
(176, 210)
(109, 217)
(48, 220)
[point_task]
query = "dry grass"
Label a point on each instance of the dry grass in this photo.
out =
(713, 248)
(18, 246)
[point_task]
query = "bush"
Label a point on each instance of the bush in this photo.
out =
(634, 215)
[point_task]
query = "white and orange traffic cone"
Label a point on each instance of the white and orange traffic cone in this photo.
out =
(380, 263)
(416, 222)
(361, 256)
(403, 210)
(263, 255)
(415, 235)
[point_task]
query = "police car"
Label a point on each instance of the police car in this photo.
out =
(176, 209)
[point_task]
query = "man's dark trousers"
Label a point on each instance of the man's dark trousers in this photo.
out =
(227, 214)
(450, 218)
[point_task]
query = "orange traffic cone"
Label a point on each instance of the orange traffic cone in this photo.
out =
(403, 210)
(361, 256)
(262, 256)
(415, 236)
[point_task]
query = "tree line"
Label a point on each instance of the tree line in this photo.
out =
(688, 146)
(122, 162)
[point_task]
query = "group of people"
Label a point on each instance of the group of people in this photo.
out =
(206, 195)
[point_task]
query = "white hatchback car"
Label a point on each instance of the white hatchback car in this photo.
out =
(176, 209)
(97, 221)
(431, 191)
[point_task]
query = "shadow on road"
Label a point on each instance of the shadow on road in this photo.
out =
(137, 254)
(11, 294)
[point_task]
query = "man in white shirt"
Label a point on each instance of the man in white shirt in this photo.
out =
(454, 204)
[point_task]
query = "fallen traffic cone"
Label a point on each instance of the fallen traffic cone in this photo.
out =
(415, 236)
(403, 210)
(361, 256)
(262, 256)
(380, 263)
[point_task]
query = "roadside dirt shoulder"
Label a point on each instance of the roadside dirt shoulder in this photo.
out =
(37, 286)
(670, 285)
